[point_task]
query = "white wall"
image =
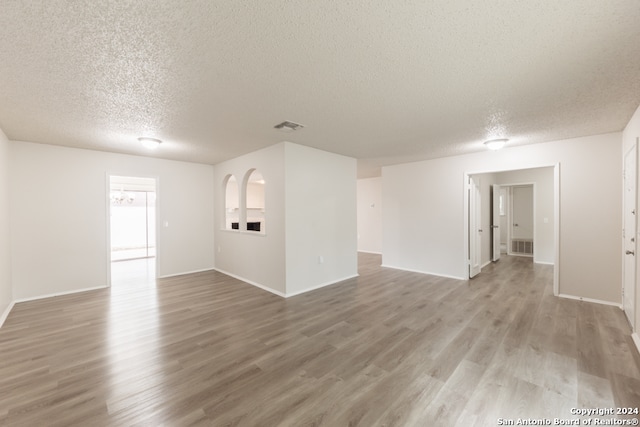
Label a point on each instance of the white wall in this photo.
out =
(310, 212)
(59, 210)
(321, 218)
(629, 137)
(370, 215)
(422, 205)
(254, 257)
(6, 294)
(423, 211)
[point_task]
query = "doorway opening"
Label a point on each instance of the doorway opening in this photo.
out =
(132, 229)
(514, 212)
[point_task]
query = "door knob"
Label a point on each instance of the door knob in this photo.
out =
(630, 253)
(495, 226)
(480, 231)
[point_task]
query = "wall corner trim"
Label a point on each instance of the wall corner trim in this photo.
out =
(6, 313)
(322, 285)
(252, 283)
(596, 301)
(281, 294)
(636, 340)
(166, 276)
(424, 272)
(59, 294)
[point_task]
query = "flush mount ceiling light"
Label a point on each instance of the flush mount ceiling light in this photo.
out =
(287, 126)
(149, 143)
(496, 144)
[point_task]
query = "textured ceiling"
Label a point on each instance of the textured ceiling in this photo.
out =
(382, 81)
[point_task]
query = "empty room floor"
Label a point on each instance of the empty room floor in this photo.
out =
(389, 348)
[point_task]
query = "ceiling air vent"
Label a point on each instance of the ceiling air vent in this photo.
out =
(287, 126)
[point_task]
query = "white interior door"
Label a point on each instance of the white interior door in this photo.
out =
(629, 234)
(495, 222)
(475, 228)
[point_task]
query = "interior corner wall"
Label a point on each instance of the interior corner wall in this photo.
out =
(370, 215)
(423, 211)
(6, 293)
(59, 211)
(250, 256)
(321, 218)
(630, 136)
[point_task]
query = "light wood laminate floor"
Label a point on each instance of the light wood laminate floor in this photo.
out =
(389, 348)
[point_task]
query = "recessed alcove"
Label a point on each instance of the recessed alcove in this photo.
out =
(231, 204)
(254, 184)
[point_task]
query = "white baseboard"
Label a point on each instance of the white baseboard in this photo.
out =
(543, 262)
(597, 301)
(322, 285)
(188, 272)
(281, 294)
(424, 272)
(520, 255)
(370, 252)
(6, 313)
(251, 282)
(59, 294)
(486, 263)
(636, 340)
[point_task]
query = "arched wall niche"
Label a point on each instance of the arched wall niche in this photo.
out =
(231, 202)
(254, 198)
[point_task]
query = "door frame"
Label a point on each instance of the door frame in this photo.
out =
(108, 176)
(496, 241)
(474, 200)
(631, 319)
(556, 215)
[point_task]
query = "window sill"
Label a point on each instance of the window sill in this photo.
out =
(252, 233)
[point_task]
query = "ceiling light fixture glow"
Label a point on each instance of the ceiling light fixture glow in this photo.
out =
(496, 144)
(150, 143)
